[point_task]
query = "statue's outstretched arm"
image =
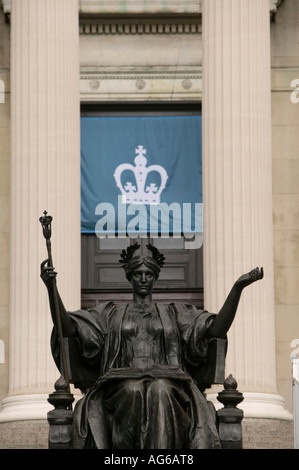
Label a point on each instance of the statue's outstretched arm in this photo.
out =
(226, 315)
(48, 275)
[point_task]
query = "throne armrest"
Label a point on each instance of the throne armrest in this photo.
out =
(212, 371)
(81, 373)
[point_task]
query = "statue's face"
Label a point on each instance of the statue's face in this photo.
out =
(143, 280)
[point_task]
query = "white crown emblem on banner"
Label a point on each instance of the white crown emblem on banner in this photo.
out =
(140, 194)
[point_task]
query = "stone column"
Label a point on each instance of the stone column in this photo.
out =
(237, 192)
(45, 175)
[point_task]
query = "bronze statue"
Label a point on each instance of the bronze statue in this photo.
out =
(134, 363)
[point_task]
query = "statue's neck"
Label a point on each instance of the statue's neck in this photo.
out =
(142, 302)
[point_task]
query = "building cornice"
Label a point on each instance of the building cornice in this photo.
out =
(138, 7)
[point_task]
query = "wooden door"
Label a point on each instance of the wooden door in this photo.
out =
(103, 279)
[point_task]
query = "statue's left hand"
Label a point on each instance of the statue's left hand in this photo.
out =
(249, 278)
(47, 274)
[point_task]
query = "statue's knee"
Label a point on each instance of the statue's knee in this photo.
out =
(159, 387)
(133, 387)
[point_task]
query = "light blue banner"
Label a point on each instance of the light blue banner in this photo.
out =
(141, 174)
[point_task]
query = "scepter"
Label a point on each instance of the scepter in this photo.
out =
(46, 221)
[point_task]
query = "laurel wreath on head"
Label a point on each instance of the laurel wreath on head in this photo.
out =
(157, 256)
(127, 255)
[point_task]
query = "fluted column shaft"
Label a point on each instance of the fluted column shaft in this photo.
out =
(45, 175)
(237, 179)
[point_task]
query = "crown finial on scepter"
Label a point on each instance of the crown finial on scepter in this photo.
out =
(46, 221)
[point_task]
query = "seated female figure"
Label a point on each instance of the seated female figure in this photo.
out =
(144, 396)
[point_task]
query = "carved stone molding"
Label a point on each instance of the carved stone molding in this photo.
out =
(123, 26)
(139, 84)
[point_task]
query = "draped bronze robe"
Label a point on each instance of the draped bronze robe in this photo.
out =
(157, 407)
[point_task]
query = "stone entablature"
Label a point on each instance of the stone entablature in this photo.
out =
(140, 7)
(87, 7)
(108, 77)
(140, 84)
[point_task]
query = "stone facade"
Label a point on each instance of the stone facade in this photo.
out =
(168, 67)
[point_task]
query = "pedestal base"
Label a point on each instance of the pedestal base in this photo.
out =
(266, 424)
(32, 434)
(257, 434)
(259, 405)
(25, 407)
(267, 434)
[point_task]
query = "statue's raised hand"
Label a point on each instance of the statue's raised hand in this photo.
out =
(248, 278)
(47, 274)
